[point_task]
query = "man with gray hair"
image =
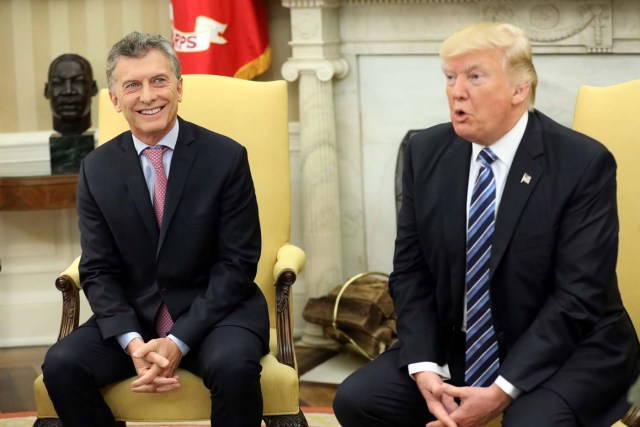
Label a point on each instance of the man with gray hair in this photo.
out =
(170, 244)
(504, 277)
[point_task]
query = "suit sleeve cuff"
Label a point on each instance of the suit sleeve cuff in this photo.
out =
(125, 339)
(508, 388)
(442, 370)
(184, 348)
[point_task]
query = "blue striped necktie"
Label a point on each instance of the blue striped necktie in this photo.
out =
(482, 361)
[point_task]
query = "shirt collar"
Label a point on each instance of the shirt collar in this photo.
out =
(505, 148)
(169, 140)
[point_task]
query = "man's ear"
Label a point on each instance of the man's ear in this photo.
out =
(520, 93)
(47, 94)
(94, 88)
(115, 101)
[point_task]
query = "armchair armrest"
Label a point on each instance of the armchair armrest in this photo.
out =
(289, 262)
(631, 418)
(290, 258)
(69, 284)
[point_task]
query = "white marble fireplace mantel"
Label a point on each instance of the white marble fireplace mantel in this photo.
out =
(390, 82)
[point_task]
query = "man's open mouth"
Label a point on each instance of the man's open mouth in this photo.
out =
(459, 113)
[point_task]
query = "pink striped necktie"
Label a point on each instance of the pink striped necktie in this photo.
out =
(163, 319)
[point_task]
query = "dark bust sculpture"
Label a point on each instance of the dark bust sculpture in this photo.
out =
(69, 89)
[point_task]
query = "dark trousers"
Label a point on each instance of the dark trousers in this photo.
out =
(228, 361)
(382, 395)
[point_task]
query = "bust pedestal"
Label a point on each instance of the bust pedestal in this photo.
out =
(68, 150)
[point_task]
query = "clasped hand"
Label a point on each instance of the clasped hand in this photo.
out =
(155, 363)
(478, 405)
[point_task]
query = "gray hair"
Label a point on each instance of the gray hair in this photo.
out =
(137, 45)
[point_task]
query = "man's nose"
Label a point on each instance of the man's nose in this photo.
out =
(459, 88)
(148, 94)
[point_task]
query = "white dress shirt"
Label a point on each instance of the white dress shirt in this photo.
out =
(505, 149)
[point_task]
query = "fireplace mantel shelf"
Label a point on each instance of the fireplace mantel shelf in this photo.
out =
(38, 192)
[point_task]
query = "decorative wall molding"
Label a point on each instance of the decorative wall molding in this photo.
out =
(365, 2)
(547, 23)
(555, 27)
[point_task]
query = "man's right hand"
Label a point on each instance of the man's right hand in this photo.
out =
(440, 405)
(150, 378)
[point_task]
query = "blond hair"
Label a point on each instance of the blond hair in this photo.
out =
(510, 39)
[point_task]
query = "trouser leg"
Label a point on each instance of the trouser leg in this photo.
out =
(229, 363)
(381, 395)
(76, 368)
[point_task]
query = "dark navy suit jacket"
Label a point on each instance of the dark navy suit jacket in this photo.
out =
(203, 260)
(556, 306)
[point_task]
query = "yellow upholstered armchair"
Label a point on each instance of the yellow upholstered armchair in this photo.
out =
(256, 115)
(609, 114)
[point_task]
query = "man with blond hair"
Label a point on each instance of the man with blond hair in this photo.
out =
(504, 277)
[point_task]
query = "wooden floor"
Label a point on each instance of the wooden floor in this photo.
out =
(20, 366)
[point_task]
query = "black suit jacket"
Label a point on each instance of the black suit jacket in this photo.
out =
(203, 260)
(557, 311)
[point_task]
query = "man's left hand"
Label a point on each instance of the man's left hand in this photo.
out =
(157, 352)
(478, 405)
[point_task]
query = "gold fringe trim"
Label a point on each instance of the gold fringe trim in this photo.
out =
(256, 67)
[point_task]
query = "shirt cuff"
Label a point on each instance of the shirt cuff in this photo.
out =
(508, 388)
(442, 370)
(184, 349)
(125, 339)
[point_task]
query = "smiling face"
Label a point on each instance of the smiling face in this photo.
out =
(484, 101)
(147, 93)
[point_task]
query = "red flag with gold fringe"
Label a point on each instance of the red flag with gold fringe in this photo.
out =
(224, 37)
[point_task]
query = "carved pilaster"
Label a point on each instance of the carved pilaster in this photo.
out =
(315, 62)
(324, 69)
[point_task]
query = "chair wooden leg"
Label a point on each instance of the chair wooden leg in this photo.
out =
(297, 420)
(632, 417)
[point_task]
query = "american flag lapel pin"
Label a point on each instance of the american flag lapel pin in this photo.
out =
(526, 178)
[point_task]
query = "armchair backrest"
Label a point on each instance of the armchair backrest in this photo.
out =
(610, 115)
(256, 115)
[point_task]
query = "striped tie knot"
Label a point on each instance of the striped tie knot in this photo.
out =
(487, 156)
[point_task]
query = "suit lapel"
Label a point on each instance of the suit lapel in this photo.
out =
(453, 199)
(523, 177)
(136, 184)
(180, 166)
